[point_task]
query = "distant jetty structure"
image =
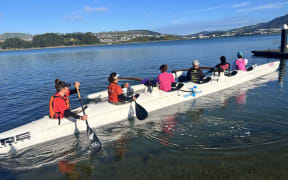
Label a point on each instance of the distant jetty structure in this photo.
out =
(276, 53)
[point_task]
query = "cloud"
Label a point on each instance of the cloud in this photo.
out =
(181, 20)
(209, 9)
(243, 4)
(266, 6)
(75, 18)
(95, 9)
(186, 17)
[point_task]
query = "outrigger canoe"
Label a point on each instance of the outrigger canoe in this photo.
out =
(69, 147)
(102, 113)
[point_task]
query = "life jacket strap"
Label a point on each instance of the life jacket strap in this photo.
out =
(59, 119)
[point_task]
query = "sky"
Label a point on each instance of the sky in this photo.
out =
(165, 16)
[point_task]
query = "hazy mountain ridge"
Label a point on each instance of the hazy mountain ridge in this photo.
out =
(276, 23)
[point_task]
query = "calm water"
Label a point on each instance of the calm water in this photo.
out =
(240, 133)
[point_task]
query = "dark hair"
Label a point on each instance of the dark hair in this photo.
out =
(164, 67)
(223, 60)
(61, 84)
(111, 77)
(58, 84)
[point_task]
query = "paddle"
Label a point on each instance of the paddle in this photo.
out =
(131, 78)
(209, 68)
(177, 70)
(141, 112)
(95, 143)
(179, 86)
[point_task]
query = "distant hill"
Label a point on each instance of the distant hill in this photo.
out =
(276, 23)
(16, 35)
(145, 32)
(142, 32)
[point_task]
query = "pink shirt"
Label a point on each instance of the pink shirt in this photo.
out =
(241, 64)
(165, 79)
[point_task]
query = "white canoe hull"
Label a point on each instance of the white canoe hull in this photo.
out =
(103, 113)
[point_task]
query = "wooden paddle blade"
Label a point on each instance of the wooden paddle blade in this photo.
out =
(141, 112)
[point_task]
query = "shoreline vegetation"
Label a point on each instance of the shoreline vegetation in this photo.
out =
(49, 41)
(53, 40)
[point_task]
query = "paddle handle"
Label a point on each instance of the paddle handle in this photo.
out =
(79, 96)
(78, 92)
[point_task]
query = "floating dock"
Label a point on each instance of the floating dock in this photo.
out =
(271, 53)
(276, 53)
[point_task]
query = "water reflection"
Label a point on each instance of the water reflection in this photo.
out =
(282, 72)
(241, 98)
(75, 170)
(120, 148)
(200, 125)
(168, 128)
(196, 114)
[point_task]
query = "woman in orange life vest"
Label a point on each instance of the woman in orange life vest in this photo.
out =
(115, 92)
(59, 103)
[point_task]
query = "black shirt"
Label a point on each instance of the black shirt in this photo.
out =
(195, 75)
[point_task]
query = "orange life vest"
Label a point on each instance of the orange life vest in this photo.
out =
(52, 113)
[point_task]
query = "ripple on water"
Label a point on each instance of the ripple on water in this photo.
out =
(242, 119)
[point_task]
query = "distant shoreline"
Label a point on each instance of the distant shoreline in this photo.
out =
(58, 47)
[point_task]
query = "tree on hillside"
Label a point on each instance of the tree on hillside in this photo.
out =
(89, 39)
(15, 43)
(48, 40)
(81, 39)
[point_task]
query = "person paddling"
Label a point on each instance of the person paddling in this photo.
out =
(223, 64)
(240, 63)
(195, 74)
(165, 79)
(115, 92)
(59, 103)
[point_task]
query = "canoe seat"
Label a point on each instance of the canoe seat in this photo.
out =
(230, 74)
(250, 68)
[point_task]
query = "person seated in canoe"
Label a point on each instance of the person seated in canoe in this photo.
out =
(165, 79)
(115, 92)
(195, 74)
(59, 103)
(223, 65)
(240, 63)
